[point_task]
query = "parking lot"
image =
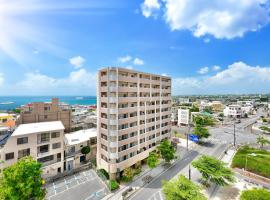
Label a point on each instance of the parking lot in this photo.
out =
(85, 185)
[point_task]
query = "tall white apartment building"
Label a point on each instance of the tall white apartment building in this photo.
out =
(43, 141)
(134, 114)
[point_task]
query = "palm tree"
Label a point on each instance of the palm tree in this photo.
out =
(262, 141)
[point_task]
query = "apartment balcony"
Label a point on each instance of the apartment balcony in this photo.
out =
(168, 98)
(42, 154)
(103, 110)
(166, 83)
(128, 130)
(112, 110)
(145, 98)
(104, 152)
(104, 120)
(155, 90)
(104, 78)
(103, 89)
(142, 89)
(104, 142)
(104, 131)
(103, 99)
(127, 99)
(166, 90)
(127, 89)
(128, 140)
(155, 82)
(44, 164)
(128, 79)
(112, 77)
(145, 81)
(128, 151)
(43, 141)
(155, 98)
(127, 110)
(127, 120)
(150, 115)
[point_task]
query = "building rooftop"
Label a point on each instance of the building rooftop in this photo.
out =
(38, 127)
(80, 136)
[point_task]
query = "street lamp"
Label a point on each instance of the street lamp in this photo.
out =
(251, 154)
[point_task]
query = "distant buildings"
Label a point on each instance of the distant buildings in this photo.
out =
(46, 112)
(43, 141)
(134, 114)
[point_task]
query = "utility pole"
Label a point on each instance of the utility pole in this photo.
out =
(234, 138)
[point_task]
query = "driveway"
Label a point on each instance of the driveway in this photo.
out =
(84, 185)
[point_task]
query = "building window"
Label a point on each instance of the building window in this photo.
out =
(44, 137)
(56, 145)
(93, 141)
(9, 156)
(23, 153)
(23, 140)
(43, 149)
(45, 116)
(55, 135)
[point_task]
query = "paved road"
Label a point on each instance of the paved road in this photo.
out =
(153, 189)
(220, 139)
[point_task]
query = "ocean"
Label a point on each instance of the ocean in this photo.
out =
(17, 101)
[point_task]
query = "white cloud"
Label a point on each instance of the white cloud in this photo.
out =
(216, 68)
(2, 79)
(124, 59)
(77, 82)
(138, 61)
(35, 52)
(77, 61)
(220, 18)
(150, 7)
(237, 78)
(203, 70)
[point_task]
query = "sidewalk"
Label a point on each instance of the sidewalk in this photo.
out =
(138, 182)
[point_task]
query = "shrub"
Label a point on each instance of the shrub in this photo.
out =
(104, 173)
(127, 175)
(255, 194)
(113, 185)
(137, 171)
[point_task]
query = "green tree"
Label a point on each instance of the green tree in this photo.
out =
(182, 189)
(201, 132)
(208, 109)
(22, 181)
(262, 141)
(214, 170)
(86, 150)
(255, 194)
(128, 174)
(167, 151)
(194, 109)
(152, 160)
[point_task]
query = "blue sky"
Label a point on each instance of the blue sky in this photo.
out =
(208, 47)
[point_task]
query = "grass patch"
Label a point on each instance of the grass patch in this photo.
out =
(259, 164)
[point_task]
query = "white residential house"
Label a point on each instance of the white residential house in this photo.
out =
(43, 141)
(233, 111)
(183, 117)
(74, 142)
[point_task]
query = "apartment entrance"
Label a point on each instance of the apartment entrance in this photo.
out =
(70, 165)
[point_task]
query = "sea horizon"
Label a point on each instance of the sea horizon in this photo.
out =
(12, 102)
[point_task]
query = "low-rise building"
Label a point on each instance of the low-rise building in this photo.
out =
(233, 111)
(183, 117)
(74, 142)
(43, 141)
